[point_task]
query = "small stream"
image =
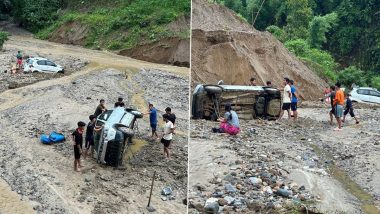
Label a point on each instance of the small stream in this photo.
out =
(367, 202)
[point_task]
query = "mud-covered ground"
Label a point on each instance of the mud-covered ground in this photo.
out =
(43, 175)
(312, 165)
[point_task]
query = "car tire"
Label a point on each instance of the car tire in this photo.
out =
(35, 71)
(213, 89)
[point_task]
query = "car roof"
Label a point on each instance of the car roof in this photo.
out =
(367, 88)
(37, 58)
(245, 88)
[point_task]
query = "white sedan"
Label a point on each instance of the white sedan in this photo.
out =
(365, 94)
(37, 64)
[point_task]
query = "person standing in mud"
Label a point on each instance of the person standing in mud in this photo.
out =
(286, 100)
(153, 120)
(119, 102)
(293, 104)
(331, 95)
(100, 108)
(89, 139)
(77, 137)
(19, 60)
(171, 116)
(338, 104)
(168, 135)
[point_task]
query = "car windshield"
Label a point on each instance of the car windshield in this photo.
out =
(105, 115)
(29, 61)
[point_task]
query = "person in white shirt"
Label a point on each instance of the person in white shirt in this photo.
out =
(286, 100)
(168, 135)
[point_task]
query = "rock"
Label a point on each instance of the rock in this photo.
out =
(238, 186)
(151, 209)
(212, 206)
(230, 188)
(164, 198)
(167, 191)
(268, 190)
(255, 205)
(200, 187)
(255, 180)
(218, 194)
(282, 192)
(229, 200)
(87, 179)
(302, 188)
(222, 202)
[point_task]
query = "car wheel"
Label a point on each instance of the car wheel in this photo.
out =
(128, 132)
(35, 71)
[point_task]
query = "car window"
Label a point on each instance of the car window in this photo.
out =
(49, 63)
(41, 62)
(375, 93)
(363, 91)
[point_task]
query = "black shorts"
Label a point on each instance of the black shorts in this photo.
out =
(165, 142)
(90, 143)
(76, 152)
(293, 106)
(351, 111)
(285, 106)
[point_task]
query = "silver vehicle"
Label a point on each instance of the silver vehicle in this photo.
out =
(116, 134)
(249, 102)
(365, 94)
(38, 64)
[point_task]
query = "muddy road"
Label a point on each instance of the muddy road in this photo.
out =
(326, 171)
(42, 176)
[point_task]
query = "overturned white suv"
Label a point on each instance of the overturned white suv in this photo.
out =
(116, 134)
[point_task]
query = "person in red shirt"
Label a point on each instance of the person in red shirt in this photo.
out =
(338, 106)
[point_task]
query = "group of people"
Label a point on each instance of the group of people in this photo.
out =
(337, 99)
(77, 136)
(230, 122)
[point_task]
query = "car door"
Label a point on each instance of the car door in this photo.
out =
(51, 66)
(364, 95)
(374, 96)
(41, 65)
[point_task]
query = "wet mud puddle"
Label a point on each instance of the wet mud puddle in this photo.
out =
(10, 201)
(367, 202)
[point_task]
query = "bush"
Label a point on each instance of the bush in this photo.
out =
(3, 38)
(302, 49)
(375, 82)
(277, 32)
(351, 75)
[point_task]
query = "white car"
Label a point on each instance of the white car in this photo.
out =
(37, 64)
(365, 94)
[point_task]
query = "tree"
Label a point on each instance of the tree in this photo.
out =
(319, 26)
(351, 75)
(299, 14)
(3, 38)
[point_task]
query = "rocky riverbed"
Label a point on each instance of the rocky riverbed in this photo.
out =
(277, 167)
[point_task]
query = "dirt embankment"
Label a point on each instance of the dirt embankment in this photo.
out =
(171, 50)
(225, 47)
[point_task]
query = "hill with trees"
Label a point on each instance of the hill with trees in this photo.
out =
(337, 39)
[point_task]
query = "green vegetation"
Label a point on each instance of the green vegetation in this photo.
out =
(111, 24)
(3, 38)
(337, 39)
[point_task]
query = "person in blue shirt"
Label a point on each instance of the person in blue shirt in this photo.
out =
(153, 119)
(293, 104)
(349, 109)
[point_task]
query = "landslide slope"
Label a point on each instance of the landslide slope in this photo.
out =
(224, 47)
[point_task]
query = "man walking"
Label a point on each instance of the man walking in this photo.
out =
(77, 137)
(286, 100)
(338, 103)
(293, 104)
